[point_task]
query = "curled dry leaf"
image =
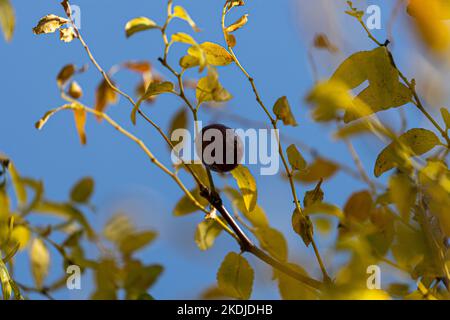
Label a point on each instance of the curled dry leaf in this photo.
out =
(242, 21)
(67, 34)
(75, 90)
(49, 24)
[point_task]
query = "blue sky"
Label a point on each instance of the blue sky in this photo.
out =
(274, 49)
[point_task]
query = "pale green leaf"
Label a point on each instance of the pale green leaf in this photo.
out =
(235, 277)
(139, 24)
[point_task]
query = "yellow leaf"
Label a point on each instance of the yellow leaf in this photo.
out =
(210, 89)
(181, 13)
(139, 24)
(21, 235)
(179, 121)
(414, 142)
(235, 277)
(273, 242)
(19, 186)
(231, 40)
(155, 88)
(282, 110)
(215, 54)
(402, 192)
(446, 117)
(80, 123)
(40, 261)
(75, 90)
(67, 34)
(359, 206)
(65, 74)
(49, 24)
(295, 158)
(257, 217)
(7, 19)
(206, 233)
(242, 21)
(187, 62)
(319, 169)
(427, 20)
(323, 208)
(247, 185)
(302, 226)
(104, 96)
(82, 190)
(183, 38)
(293, 290)
(185, 205)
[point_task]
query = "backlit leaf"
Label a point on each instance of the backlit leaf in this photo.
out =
(414, 142)
(80, 123)
(257, 217)
(293, 290)
(104, 96)
(247, 185)
(319, 169)
(302, 226)
(242, 21)
(235, 277)
(40, 261)
(206, 233)
(75, 91)
(359, 206)
(65, 74)
(295, 158)
(135, 241)
(215, 54)
(82, 190)
(273, 242)
(402, 192)
(179, 121)
(139, 24)
(49, 24)
(185, 205)
(19, 186)
(67, 34)
(282, 110)
(180, 12)
(210, 89)
(154, 89)
(183, 38)
(7, 19)
(446, 117)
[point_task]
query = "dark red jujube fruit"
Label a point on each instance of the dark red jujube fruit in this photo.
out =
(219, 157)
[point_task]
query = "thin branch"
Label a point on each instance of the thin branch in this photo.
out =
(273, 121)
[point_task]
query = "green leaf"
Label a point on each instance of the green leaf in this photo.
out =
(282, 110)
(136, 241)
(181, 13)
(414, 142)
(5, 281)
(82, 190)
(313, 196)
(140, 278)
(235, 277)
(185, 205)
(273, 242)
(66, 211)
(7, 19)
(154, 89)
(247, 185)
(302, 226)
(139, 24)
(40, 261)
(295, 158)
(206, 233)
(446, 117)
